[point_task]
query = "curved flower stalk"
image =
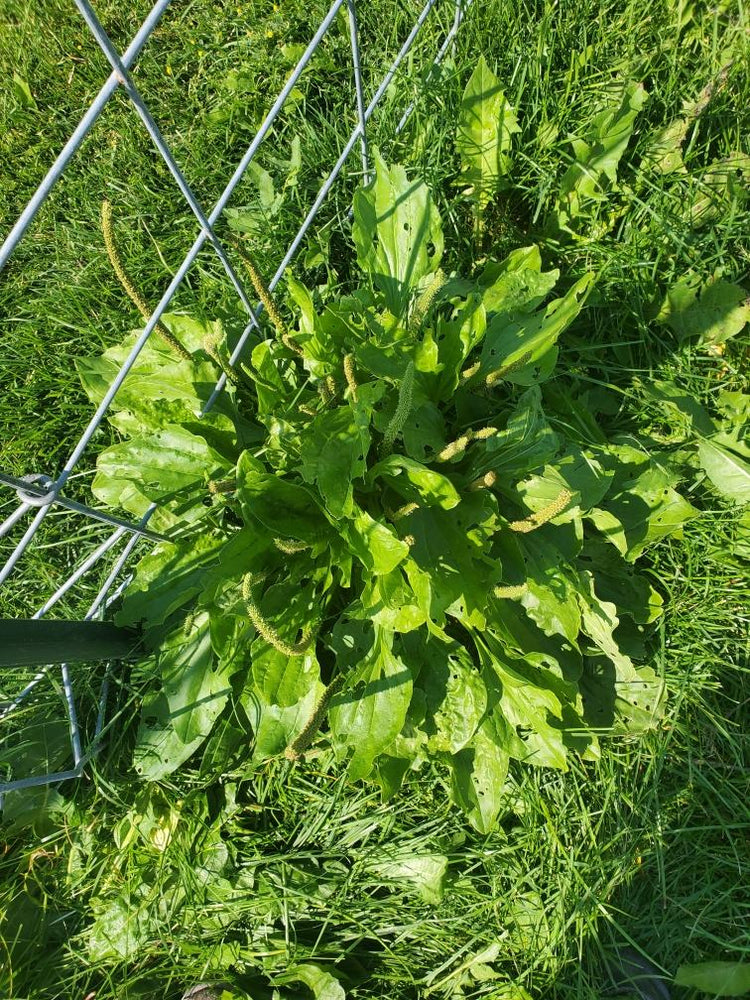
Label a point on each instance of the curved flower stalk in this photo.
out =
(131, 291)
(403, 408)
(350, 375)
(213, 349)
(459, 446)
(290, 546)
(426, 300)
(494, 377)
(269, 303)
(544, 515)
(265, 629)
(510, 592)
(302, 742)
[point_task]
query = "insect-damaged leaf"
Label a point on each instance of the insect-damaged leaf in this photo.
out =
(397, 233)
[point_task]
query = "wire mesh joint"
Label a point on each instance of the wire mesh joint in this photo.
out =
(42, 490)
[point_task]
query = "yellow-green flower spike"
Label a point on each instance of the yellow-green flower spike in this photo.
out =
(261, 290)
(350, 376)
(457, 447)
(483, 482)
(213, 350)
(483, 433)
(428, 296)
(544, 515)
(302, 742)
(130, 290)
(217, 486)
(265, 629)
(290, 545)
(470, 372)
(510, 592)
(291, 344)
(408, 508)
(399, 418)
(494, 377)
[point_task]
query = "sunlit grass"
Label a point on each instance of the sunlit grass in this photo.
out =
(255, 874)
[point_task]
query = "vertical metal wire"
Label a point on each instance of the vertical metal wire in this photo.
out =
(358, 87)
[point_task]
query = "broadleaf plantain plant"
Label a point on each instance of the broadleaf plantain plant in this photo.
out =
(396, 521)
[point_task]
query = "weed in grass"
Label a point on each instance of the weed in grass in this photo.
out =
(648, 845)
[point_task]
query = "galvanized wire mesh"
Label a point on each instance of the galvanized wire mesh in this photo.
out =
(37, 493)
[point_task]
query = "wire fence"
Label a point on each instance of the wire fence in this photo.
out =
(38, 493)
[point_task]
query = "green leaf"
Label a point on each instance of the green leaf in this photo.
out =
(455, 697)
(162, 389)
(486, 125)
(334, 448)
(644, 509)
(720, 312)
(664, 151)
(527, 442)
(424, 872)
(389, 601)
(159, 750)
(451, 549)
(617, 582)
(727, 470)
(195, 688)
(594, 170)
(520, 339)
(282, 691)
(397, 233)
(280, 679)
(578, 472)
(285, 508)
(22, 92)
(529, 704)
(550, 594)
(161, 465)
(322, 984)
(416, 483)
(168, 578)
(721, 979)
(517, 284)
(478, 773)
(376, 546)
(369, 714)
(424, 433)
(722, 186)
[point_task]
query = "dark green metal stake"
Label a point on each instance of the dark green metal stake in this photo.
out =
(34, 642)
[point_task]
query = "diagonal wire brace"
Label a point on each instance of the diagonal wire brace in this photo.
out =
(38, 490)
(126, 81)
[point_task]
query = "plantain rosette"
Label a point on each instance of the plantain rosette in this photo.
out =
(400, 518)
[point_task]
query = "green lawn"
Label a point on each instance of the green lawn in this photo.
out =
(276, 878)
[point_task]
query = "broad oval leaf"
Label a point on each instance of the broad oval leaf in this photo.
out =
(416, 483)
(397, 233)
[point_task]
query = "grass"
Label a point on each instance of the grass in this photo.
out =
(133, 891)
